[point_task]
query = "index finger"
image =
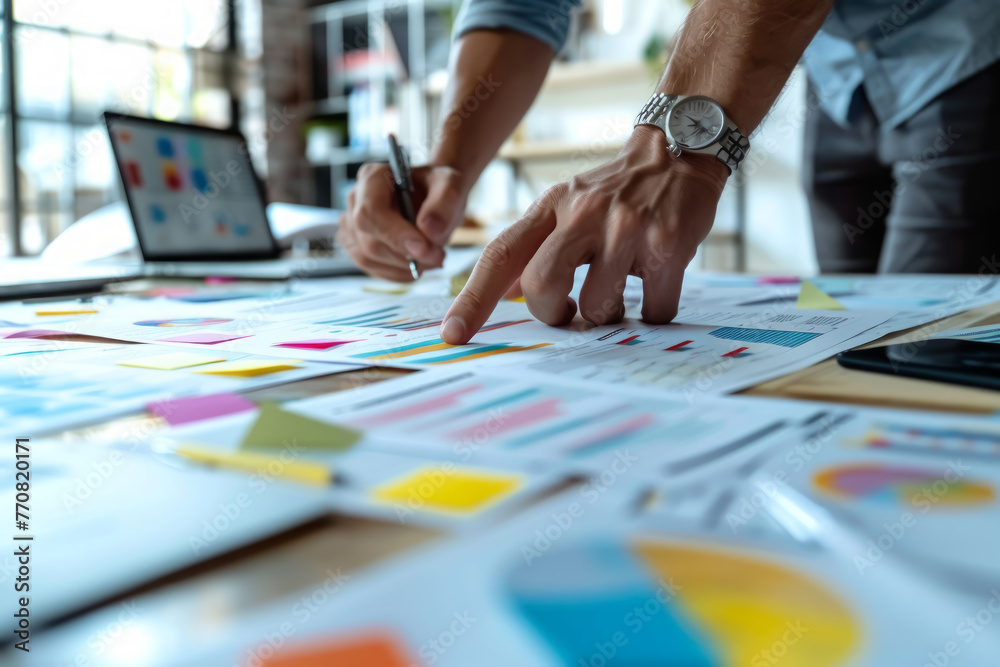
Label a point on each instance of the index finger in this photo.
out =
(502, 262)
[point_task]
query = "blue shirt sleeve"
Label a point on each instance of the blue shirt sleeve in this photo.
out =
(545, 20)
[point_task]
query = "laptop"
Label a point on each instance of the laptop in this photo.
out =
(197, 205)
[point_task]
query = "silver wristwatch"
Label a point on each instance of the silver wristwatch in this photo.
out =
(695, 124)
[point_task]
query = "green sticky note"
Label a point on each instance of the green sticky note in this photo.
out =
(279, 429)
(813, 298)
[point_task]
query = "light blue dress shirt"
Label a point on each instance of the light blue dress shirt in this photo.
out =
(903, 52)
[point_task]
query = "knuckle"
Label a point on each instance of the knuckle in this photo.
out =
(368, 246)
(499, 251)
(550, 198)
(534, 283)
(662, 240)
(369, 170)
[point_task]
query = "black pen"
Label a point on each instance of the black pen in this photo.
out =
(403, 177)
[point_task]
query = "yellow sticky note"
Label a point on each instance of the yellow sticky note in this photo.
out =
(47, 313)
(249, 368)
(386, 288)
(305, 472)
(458, 491)
(812, 297)
(171, 361)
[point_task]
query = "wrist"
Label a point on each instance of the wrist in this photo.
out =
(648, 145)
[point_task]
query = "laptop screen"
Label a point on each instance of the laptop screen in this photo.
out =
(192, 191)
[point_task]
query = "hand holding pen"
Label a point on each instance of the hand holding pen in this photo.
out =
(378, 231)
(403, 177)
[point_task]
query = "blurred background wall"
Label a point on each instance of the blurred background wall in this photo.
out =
(315, 86)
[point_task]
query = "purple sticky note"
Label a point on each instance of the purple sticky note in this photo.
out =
(203, 338)
(196, 408)
(314, 344)
(37, 333)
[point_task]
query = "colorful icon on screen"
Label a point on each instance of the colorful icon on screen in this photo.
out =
(171, 177)
(164, 147)
(239, 229)
(133, 175)
(194, 150)
(157, 213)
(124, 136)
(199, 179)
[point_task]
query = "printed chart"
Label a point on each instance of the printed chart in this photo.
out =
(502, 416)
(712, 352)
(901, 485)
(722, 610)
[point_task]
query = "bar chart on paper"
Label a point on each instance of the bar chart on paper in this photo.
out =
(436, 352)
(716, 353)
(463, 411)
(978, 441)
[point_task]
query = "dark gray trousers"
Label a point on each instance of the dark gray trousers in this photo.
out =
(918, 198)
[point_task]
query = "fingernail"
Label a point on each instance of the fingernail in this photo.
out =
(453, 328)
(415, 247)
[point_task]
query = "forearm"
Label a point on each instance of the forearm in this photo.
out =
(741, 52)
(495, 75)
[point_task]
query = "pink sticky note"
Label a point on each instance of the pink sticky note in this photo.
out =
(778, 280)
(203, 338)
(196, 408)
(314, 344)
(36, 333)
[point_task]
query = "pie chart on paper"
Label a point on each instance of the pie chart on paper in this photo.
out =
(900, 484)
(725, 608)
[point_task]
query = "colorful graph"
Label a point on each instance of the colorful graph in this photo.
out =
(184, 322)
(898, 484)
(618, 435)
(502, 325)
(990, 335)
(420, 408)
(454, 353)
(631, 340)
(542, 411)
(679, 347)
(738, 353)
(934, 441)
(314, 344)
(724, 609)
(769, 336)
(389, 317)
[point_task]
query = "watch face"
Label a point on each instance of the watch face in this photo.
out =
(696, 122)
